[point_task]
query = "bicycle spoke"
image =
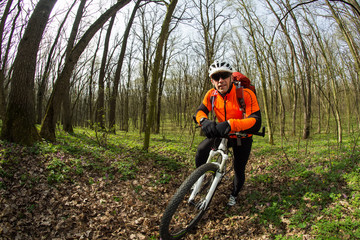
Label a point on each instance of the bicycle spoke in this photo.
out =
(187, 213)
(183, 213)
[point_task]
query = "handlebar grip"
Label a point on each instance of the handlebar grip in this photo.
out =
(242, 134)
(262, 133)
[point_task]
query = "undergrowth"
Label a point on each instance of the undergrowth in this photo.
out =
(311, 186)
(298, 187)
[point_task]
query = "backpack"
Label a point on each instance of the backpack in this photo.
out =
(240, 81)
(243, 80)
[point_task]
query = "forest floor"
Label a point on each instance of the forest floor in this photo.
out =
(77, 190)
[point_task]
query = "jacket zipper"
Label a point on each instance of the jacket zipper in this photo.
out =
(225, 106)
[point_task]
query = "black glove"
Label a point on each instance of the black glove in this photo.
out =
(223, 129)
(209, 128)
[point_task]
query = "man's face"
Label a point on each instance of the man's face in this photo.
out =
(222, 81)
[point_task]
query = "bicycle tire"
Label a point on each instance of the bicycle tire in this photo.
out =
(180, 216)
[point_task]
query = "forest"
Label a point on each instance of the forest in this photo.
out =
(97, 99)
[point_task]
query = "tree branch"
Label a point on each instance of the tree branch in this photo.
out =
(304, 3)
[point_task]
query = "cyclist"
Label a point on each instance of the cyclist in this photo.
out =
(222, 100)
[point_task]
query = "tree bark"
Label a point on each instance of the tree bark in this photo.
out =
(19, 124)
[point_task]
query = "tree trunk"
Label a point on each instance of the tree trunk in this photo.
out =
(115, 90)
(155, 73)
(100, 103)
(294, 62)
(164, 66)
(48, 125)
(279, 91)
(67, 115)
(328, 60)
(353, 50)
(2, 70)
(19, 124)
(147, 38)
(91, 83)
(4, 61)
(306, 81)
(250, 22)
(44, 79)
(127, 102)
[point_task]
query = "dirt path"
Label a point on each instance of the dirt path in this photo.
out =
(31, 208)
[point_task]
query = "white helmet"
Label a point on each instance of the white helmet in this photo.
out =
(218, 66)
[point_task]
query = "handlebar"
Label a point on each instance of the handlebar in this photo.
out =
(238, 134)
(242, 134)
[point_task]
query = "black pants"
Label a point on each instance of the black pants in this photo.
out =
(241, 156)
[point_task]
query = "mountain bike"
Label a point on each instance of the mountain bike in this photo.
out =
(193, 197)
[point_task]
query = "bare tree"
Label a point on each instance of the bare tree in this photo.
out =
(66, 101)
(48, 125)
(126, 111)
(45, 75)
(271, 55)
(251, 29)
(114, 93)
(148, 31)
(211, 17)
(292, 69)
(100, 104)
(19, 123)
(168, 55)
(2, 60)
(155, 71)
(328, 58)
(91, 83)
(306, 78)
(353, 47)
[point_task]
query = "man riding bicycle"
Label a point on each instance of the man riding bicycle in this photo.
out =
(224, 102)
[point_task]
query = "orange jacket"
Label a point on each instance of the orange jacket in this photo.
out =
(227, 108)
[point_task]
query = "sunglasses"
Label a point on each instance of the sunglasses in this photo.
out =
(222, 75)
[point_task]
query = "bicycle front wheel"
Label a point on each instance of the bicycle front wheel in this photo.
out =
(180, 216)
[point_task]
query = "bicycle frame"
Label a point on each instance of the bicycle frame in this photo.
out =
(222, 150)
(201, 184)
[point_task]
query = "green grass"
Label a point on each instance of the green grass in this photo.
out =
(80, 155)
(309, 186)
(314, 186)
(74, 154)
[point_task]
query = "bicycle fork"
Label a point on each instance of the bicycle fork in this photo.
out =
(202, 205)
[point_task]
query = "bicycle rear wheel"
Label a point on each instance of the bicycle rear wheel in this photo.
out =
(180, 216)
